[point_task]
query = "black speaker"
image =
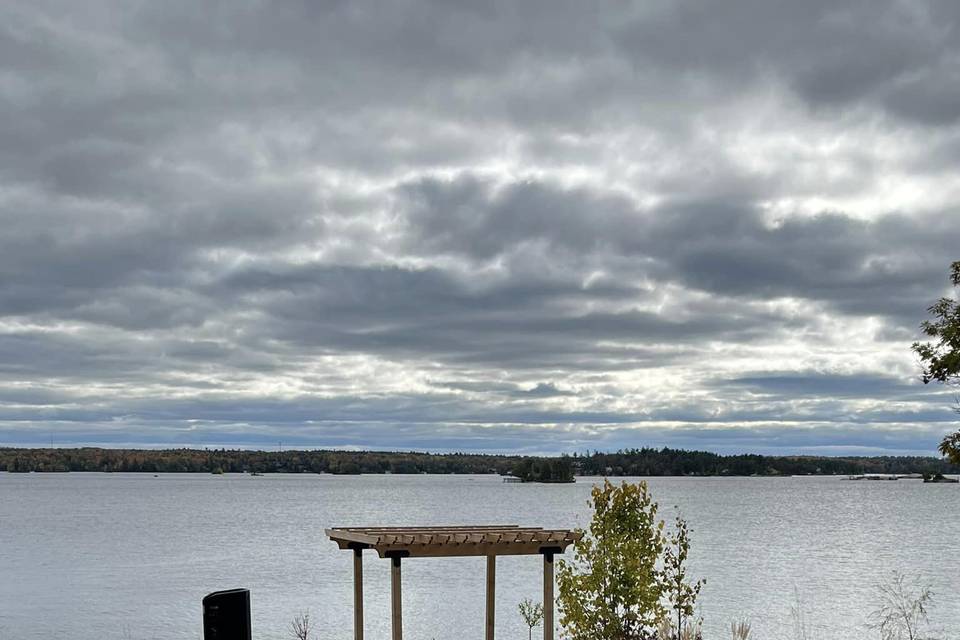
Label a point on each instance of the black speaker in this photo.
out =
(226, 615)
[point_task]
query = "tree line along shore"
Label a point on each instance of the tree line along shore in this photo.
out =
(627, 462)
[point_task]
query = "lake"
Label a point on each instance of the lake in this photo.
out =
(92, 556)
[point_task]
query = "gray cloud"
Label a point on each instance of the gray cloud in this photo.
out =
(725, 247)
(540, 390)
(535, 227)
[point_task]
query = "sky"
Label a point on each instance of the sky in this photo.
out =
(520, 227)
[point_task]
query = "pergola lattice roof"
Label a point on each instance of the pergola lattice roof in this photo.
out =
(424, 542)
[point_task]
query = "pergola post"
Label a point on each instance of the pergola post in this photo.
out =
(491, 593)
(548, 595)
(358, 593)
(396, 621)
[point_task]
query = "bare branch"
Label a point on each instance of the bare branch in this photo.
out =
(300, 627)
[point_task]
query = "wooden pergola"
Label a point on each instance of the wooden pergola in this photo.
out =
(433, 542)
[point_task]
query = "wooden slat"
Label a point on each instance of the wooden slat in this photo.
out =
(434, 528)
(464, 550)
(472, 527)
(398, 531)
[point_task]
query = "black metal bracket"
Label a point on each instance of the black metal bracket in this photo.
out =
(396, 555)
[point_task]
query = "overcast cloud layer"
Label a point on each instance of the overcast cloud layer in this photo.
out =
(534, 226)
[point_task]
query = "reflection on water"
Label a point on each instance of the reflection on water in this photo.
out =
(129, 556)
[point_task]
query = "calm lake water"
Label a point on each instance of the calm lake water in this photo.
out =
(129, 556)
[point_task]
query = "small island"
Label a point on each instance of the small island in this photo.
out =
(549, 470)
(939, 478)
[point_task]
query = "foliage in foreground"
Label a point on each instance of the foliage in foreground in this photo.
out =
(900, 613)
(902, 610)
(628, 580)
(740, 630)
(941, 356)
(532, 614)
(622, 583)
(300, 627)
(681, 593)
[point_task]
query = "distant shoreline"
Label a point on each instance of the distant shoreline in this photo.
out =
(631, 462)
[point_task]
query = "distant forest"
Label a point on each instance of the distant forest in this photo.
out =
(629, 462)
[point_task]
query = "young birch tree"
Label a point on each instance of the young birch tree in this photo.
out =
(680, 592)
(532, 614)
(612, 590)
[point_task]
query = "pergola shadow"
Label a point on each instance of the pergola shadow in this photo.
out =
(491, 541)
